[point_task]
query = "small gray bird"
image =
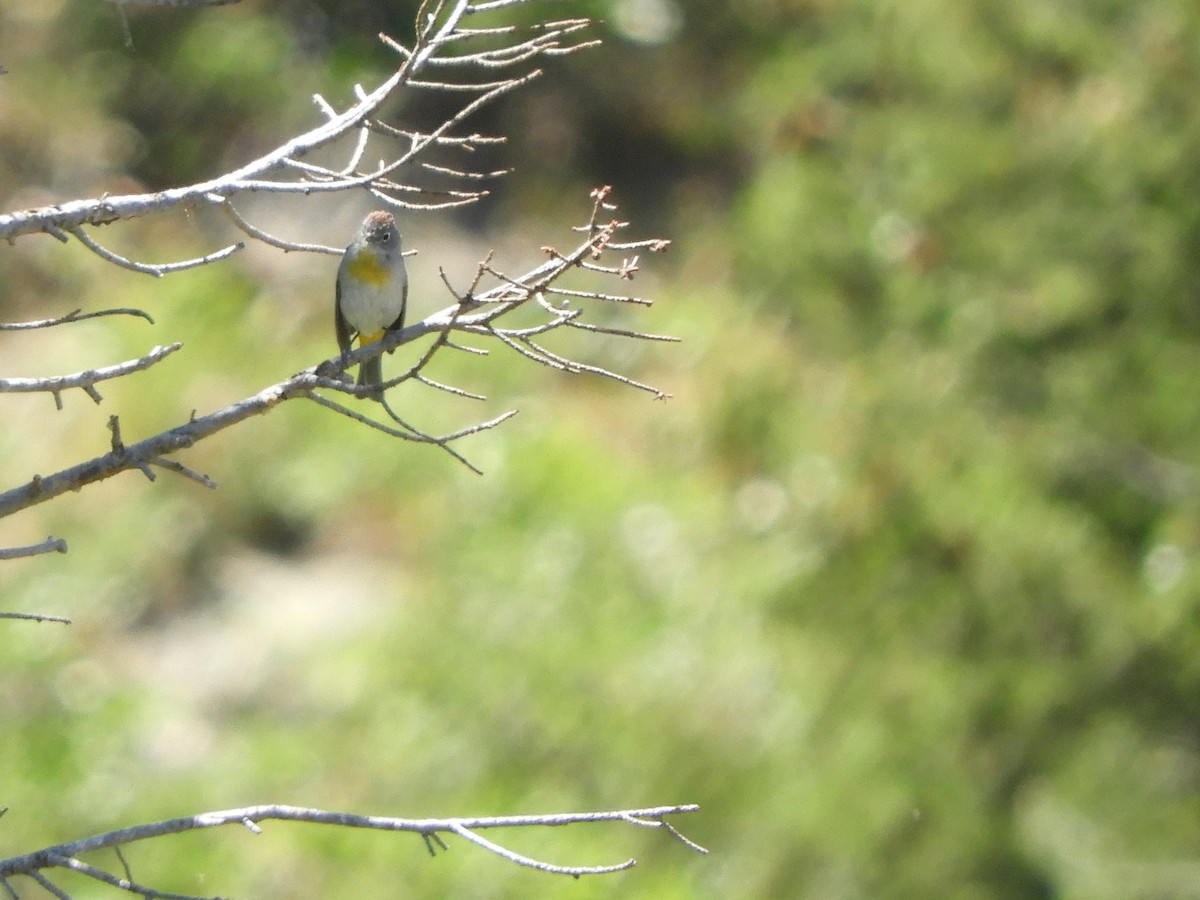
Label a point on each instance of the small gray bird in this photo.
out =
(372, 291)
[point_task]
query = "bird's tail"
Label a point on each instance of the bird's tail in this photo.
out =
(371, 373)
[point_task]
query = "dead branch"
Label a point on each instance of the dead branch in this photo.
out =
(35, 617)
(66, 856)
(480, 313)
(443, 43)
(49, 545)
(74, 316)
(403, 177)
(86, 380)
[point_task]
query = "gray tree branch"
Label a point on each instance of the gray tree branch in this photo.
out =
(468, 58)
(66, 856)
(460, 55)
(86, 380)
(477, 313)
(440, 42)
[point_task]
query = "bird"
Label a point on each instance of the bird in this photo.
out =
(371, 292)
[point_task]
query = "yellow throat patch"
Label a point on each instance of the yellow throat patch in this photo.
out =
(366, 267)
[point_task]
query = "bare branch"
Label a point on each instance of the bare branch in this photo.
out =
(125, 884)
(410, 433)
(158, 270)
(442, 39)
(572, 366)
(87, 379)
(521, 860)
(35, 617)
(74, 316)
(466, 142)
(139, 455)
(48, 885)
(124, 863)
(474, 312)
(445, 46)
(66, 855)
(590, 295)
(449, 388)
(679, 836)
(49, 545)
(260, 235)
(174, 465)
(546, 43)
(493, 4)
(623, 332)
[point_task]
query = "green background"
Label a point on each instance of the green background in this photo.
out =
(900, 586)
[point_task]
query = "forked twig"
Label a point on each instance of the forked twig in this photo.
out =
(86, 380)
(403, 178)
(474, 311)
(74, 316)
(67, 855)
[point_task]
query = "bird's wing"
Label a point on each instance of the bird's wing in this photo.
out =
(399, 323)
(344, 331)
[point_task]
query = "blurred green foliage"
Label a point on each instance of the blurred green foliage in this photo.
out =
(901, 586)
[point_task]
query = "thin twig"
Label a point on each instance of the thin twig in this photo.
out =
(281, 243)
(35, 617)
(521, 860)
(448, 388)
(288, 169)
(125, 884)
(67, 855)
(408, 432)
(49, 545)
(474, 311)
(87, 379)
(75, 316)
(174, 465)
(158, 270)
(48, 885)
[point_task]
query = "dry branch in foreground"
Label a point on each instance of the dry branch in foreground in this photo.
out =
(66, 856)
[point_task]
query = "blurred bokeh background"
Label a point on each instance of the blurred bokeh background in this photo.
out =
(901, 586)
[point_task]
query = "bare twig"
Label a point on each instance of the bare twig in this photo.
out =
(74, 316)
(87, 379)
(49, 545)
(259, 235)
(443, 43)
(158, 270)
(35, 617)
(174, 465)
(477, 312)
(49, 886)
(528, 861)
(409, 433)
(442, 40)
(67, 855)
(141, 454)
